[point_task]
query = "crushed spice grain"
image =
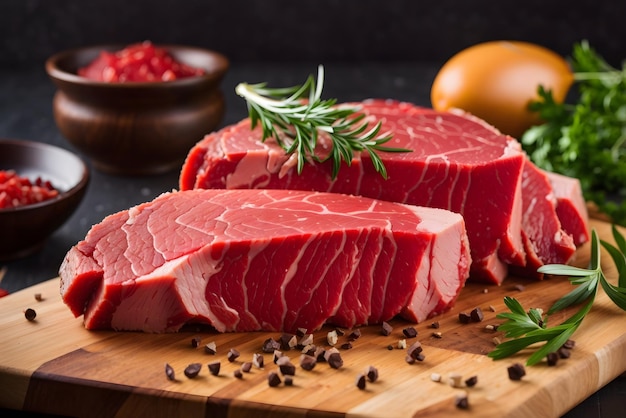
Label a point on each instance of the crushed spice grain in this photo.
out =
(30, 314)
(192, 370)
(361, 382)
(270, 345)
(477, 315)
(461, 401)
(516, 371)
(386, 329)
(214, 367)
(410, 332)
(471, 382)
(169, 372)
(210, 348)
(372, 373)
(273, 379)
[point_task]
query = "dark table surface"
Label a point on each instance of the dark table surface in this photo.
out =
(26, 113)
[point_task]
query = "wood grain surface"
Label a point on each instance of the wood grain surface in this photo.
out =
(54, 365)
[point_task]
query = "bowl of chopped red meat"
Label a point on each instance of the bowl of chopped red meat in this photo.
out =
(41, 186)
(137, 109)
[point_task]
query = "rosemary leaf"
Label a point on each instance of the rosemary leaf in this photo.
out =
(295, 124)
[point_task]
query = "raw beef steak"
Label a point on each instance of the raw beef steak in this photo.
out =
(545, 240)
(458, 163)
(248, 260)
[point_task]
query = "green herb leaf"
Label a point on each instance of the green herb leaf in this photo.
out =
(586, 138)
(296, 125)
(525, 329)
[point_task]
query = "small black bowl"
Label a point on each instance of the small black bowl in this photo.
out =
(24, 229)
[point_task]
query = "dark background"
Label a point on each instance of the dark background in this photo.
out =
(370, 48)
(321, 30)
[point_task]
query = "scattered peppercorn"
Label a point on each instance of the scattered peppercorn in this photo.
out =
(232, 355)
(193, 370)
(471, 382)
(354, 335)
(38, 297)
(415, 350)
(564, 353)
(30, 314)
(477, 315)
(214, 367)
(277, 354)
(273, 379)
(306, 340)
(569, 344)
(361, 382)
(386, 329)
(270, 345)
(372, 374)
(307, 362)
(238, 374)
(287, 368)
(552, 359)
(516, 371)
(464, 318)
(258, 361)
(410, 332)
(169, 372)
(320, 354)
(335, 361)
(435, 325)
(461, 401)
(390, 347)
(288, 341)
(346, 346)
(210, 348)
(310, 349)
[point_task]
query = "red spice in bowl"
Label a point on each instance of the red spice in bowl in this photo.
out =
(25, 227)
(17, 191)
(137, 128)
(141, 62)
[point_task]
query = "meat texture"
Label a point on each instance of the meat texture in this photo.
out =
(458, 162)
(248, 260)
(570, 206)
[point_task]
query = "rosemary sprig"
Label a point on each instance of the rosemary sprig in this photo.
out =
(295, 123)
(526, 328)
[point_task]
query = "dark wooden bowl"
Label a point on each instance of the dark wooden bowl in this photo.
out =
(24, 229)
(141, 127)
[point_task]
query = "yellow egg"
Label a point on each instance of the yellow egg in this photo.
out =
(497, 80)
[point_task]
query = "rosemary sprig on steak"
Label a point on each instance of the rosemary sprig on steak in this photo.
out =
(526, 328)
(296, 116)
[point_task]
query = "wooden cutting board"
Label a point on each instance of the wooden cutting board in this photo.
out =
(54, 365)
